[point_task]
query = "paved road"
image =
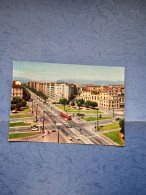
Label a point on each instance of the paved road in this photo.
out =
(87, 135)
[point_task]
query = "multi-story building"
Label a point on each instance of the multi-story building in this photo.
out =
(56, 91)
(111, 100)
(108, 96)
(88, 95)
(17, 90)
(39, 86)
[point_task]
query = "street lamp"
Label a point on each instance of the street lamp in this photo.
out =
(32, 106)
(97, 118)
(43, 121)
(58, 134)
(113, 108)
(36, 112)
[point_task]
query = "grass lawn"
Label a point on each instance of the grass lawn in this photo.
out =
(74, 110)
(25, 111)
(17, 135)
(114, 136)
(110, 126)
(17, 124)
(95, 118)
(20, 116)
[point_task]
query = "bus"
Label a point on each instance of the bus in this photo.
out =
(65, 115)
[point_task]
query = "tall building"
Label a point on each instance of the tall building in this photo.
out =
(56, 91)
(17, 90)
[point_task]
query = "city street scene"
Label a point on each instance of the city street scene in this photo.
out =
(64, 103)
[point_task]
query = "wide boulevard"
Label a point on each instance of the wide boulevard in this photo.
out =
(81, 132)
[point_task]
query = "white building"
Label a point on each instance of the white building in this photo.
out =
(56, 91)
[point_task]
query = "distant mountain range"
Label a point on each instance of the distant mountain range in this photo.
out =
(93, 82)
(76, 81)
(22, 79)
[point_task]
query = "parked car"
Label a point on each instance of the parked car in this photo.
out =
(34, 128)
(79, 114)
(54, 121)
(14, 111)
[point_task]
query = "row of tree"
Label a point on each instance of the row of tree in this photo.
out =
(87, 104)
(38, 93)
(79, 102)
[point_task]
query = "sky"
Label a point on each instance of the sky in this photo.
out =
(49, 72)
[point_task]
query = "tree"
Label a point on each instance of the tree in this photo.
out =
(90, 103)
(13, 106)
(81, 101)
(79, 105)
(73, 103)
(63, 101)
(26, 94)
(94, 104)
(122, 125)
(19, 105)
(23, 103)
(87, 103)
(16, 100)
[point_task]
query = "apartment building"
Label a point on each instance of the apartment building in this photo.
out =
(17, 90)
(107, 96)
(88, 95)
(56, 91)
(110, 100)
(39, 86)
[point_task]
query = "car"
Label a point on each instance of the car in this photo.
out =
(69, 137)
(14, 111)
(76, 137)
(34, 126)
(53, 130)
(65, 123)
(54, 121)
(34, 129)
(79, 114)
(69, 126)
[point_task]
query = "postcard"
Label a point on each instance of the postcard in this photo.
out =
(67, 103)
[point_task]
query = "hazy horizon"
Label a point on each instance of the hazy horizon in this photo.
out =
(52, 72)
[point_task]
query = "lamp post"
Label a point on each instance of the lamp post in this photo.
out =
(58, 134)
(43, 121)
(32, 106)
(113, 108)
(97, 119)
(36, 112)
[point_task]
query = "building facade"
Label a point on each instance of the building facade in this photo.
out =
(108, 96)
(56, 91)
(17, 90)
